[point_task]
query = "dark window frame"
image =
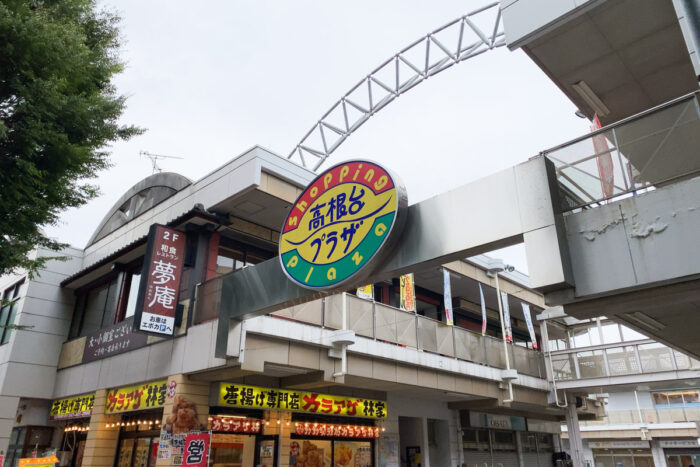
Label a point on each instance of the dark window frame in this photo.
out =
(10, 296)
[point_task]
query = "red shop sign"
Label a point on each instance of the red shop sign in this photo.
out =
(196, 452)
(235, 425)
(336, 431)
(160, 281)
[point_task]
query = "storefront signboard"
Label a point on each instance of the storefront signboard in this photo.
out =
(618, 444)
(39, 461)
(543, 426)
(366, 292)
(680, 443)
(112, 340)
(339, 226)
(336, 431)
(253, 397)
(137, 397)
(501, 422)
(196, 453)
(160, 281)
(72, 407)
(235, 424)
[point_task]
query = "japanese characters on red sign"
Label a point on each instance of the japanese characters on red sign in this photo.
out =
(336, 431)
(158, 295)
(235, 424)
(138, 397)
(196, 452)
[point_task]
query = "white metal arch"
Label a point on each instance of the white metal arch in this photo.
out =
(374, 92)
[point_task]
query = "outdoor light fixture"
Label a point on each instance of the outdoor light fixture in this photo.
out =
(591, 98)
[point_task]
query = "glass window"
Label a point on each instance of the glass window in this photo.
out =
(622, 361)
(591, 364)
(99, 307)
(660, 399)
(691, 398)
(8, 310)
(134, 286)
(611, 333)
(504, 440)
(675, 399)
(631, 335)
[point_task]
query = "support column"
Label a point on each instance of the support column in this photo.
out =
(574, 432)
(657, 453)
(8, 414)
(186, 391)
(519, 447)
(101, 443)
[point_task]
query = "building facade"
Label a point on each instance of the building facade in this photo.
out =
(290, 387)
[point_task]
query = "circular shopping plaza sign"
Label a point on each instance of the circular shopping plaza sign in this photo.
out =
(340, 226)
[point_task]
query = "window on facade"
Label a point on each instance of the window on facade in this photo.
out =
(107, 302)
(8, 310)
(231, 259)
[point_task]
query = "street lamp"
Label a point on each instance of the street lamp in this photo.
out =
(494, 267)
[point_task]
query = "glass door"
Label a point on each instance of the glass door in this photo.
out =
(266, 451)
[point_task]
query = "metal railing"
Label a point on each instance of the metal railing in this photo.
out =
(631, 156)
(619, 359)
(392, 325)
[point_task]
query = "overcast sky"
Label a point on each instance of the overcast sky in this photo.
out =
(210, 79)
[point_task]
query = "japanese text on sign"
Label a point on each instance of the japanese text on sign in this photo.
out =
(161, 281)
(238, 395)
(196, 450)
(112, 340)
(72, 407)
(138, 397)
(339, 223)
(235, 425)
(336, 431)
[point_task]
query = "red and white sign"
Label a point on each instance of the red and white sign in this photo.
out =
(336, 431)
(172, 389)
(235, 425)
(160, 285)
(196, 451)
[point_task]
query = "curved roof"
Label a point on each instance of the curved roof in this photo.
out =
(138, 199)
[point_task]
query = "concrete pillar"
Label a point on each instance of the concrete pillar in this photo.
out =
(8, 413)
(657, 453)
(574, 432)
(194, 392)
(519, 447)
(283, 431)
(425, 443)
(101, 443)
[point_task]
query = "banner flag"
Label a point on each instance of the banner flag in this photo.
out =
(408, 293)
(483, 310)
(506, 317)
(447, 295)
(530, 327)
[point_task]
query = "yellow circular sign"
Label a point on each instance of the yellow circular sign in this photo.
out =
(340, 223)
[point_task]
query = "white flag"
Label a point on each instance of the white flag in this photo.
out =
(447, 294)
(530, 327)
(506, 317)
(483, 311)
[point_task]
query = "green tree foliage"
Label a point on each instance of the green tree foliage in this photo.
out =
(58, 112)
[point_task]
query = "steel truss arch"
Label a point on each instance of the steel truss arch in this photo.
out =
(373, 92)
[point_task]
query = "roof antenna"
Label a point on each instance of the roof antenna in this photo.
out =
(154, 158)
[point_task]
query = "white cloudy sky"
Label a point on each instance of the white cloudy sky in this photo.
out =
(210, 79)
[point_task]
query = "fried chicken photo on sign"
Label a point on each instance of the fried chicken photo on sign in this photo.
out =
(183, 417)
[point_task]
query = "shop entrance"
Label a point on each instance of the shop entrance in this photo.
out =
(138, 449)
(266, 451)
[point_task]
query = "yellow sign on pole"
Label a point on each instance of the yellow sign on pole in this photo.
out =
(339, 224)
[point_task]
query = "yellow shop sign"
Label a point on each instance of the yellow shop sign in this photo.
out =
(72, 407)
(137, 397)
(253, 397)
(339, 224)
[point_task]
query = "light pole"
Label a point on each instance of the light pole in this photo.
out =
(496, 266)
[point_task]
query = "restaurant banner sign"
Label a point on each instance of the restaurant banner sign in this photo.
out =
(235, 424)
(407, 289)
(113, 340)
(196, 452)
(138, 397)
(336, 431)
(341, 224)
(253, 397)
(72, 407)
(160, 281)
